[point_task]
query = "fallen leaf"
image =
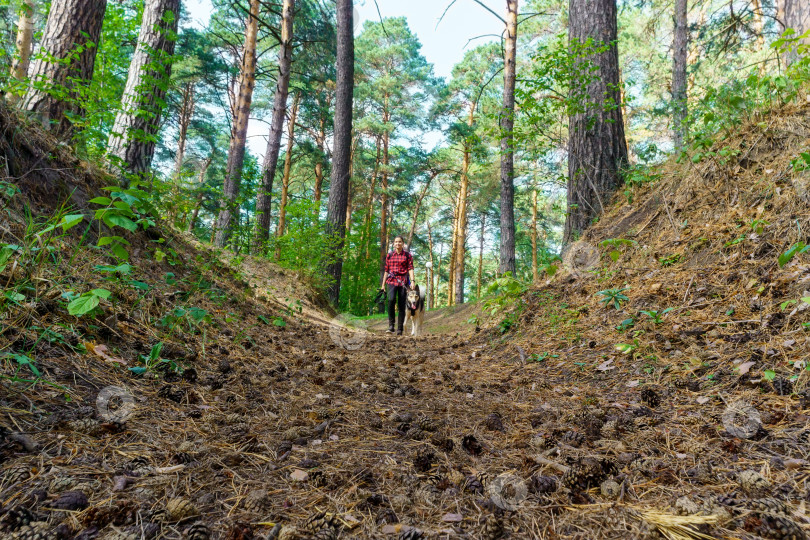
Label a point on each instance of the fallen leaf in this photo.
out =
(453, 518)
(299, 476)
(633, 384)
(605, 366)
(745, 367)
(102, 351)
(703, 400)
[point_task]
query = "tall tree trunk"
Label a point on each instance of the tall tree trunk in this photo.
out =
(431, 288)
(285, 181)
(534, 236)
(384, 200)
(132, 140)
(263, 199)
(451, 274)
(417, 208)
(507, 262)
(339, 190)
(759, 26)
(481, 255)
(65, 63)
(200, 193)
(370, 204)
(680, 49)
(236, 149)
(25, 34)
(184, 120)
(694, 50)
(320, 141)
(349, 209)
(597, 149)
(461, 240)
(797, 17)
(186, 113)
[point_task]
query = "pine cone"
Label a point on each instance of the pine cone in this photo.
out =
(782, 386)
(650, 397)
(411, 533)
(319, 522)
(780, 528)
(541, 485)
(12, 519)
(179, 509)
(71, 500)
(573, 438)
(471, 445)
(424, 460)
(16, 474)
(493, 422)
(140, 465)
(37, 530)
(425, 423)
(473, 484)
(493, 528)
(575, 478)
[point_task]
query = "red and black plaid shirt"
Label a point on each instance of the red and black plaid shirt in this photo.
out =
(397, 266)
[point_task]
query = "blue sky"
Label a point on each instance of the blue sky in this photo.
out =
(443, 46)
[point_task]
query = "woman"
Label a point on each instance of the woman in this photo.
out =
(398, 276)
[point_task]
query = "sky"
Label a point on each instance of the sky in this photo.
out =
(443, 46)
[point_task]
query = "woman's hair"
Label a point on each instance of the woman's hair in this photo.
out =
(400, 237)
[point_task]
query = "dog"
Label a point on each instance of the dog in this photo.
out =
(415, 310)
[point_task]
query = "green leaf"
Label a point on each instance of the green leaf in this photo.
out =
(264, 319)
(278, 321)
(107, 240)
(138, 370)
(154, 354)
(23, 360)
(101, 293)
(159, 255)
(769, 374)
(68, 222)
(806, 299)
(100, 200)
(119, 252)
(5, 255)
(113, 220)
(615, 254)
(83, 304)
(138, 285)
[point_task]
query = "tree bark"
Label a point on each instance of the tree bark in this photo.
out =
(186, 112)
(460, 244)
(451, 274)
(263, 199)
(797, 17)
(339, 190)
(236, 148)
(65, 63)
(759, 26)
(597, 150)
(285, 181)
(200, 194)
(507, 258)
(534, 236)
(132, 140)
(481, 255)
(417, 208)
(680, 49)
(384, 195)
(370, 204)
(320, 142)
(25, 34)
(432, 268)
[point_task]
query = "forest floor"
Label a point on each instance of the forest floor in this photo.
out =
(561, 418)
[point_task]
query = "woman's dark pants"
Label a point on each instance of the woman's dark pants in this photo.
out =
(396, 297)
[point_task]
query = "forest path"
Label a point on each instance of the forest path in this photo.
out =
(438, 321)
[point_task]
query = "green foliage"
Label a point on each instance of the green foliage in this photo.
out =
(614, 297)
(87, 302)
(796, 249)
(656, 316)
(670, 260)
(541, 357)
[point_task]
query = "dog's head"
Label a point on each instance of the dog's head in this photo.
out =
(412, 297)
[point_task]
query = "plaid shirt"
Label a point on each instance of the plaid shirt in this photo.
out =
(397, 266)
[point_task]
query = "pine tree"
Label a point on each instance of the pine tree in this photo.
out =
(65, 62)
(132, 140)
(597, 149)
